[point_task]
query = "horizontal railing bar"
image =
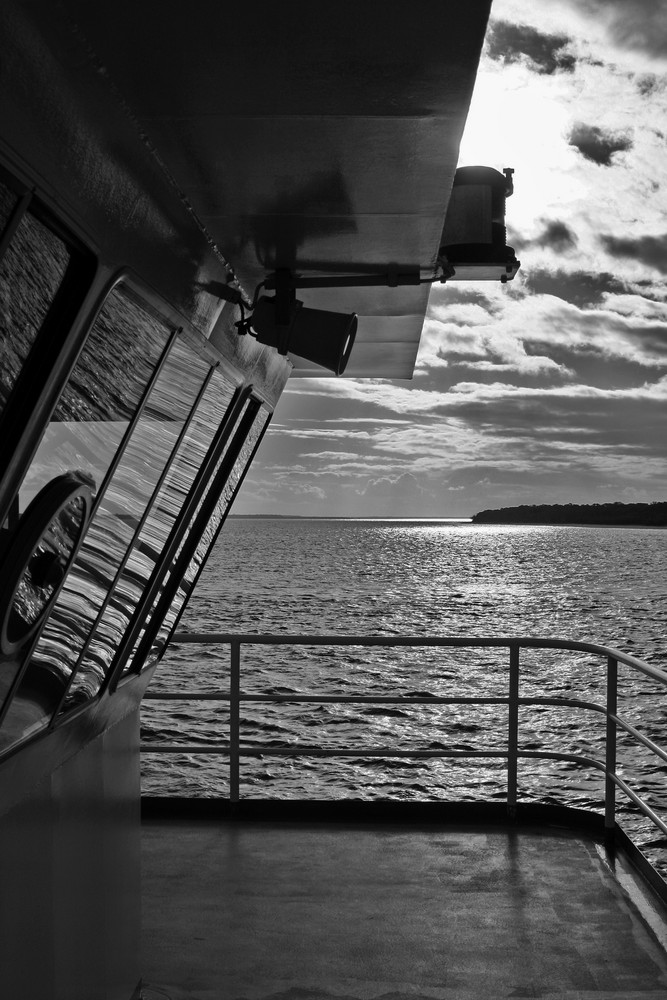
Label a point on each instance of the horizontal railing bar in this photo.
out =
(478, 642)
(513, 644)
(343, 699)
(405, 700)
(308, 751)
(321, 751)
(184, 748)
(574, 758)
(186, 696)
(639, 802)
(645, 740)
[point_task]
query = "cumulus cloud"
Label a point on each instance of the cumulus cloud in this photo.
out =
(581, 288)
(511, 43)
(596, 144)
(307, 492)
(555, 236)
(639, 25)
(558, 236)
(649, 83)
(651, 250)
(631, 31)
(404, 486)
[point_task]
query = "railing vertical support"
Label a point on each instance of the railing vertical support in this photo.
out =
(234, 721)
(610, 756)
(513, 731)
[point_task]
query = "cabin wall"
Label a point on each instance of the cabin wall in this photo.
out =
(130, 410)
(69, 871)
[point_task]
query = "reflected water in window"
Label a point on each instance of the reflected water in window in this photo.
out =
(91, 418)
(34, 569)
(45, 569)
(31, 271)
(191, 574)
(156, 529)
(8, 200)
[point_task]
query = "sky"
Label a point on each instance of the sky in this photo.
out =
(552, 388)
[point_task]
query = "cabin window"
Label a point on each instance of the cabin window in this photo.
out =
(250, 426)
(154, 480)
(31, 271)
(8, 202)
(95, 411)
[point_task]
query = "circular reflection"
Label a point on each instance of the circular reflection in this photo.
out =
(44, 545)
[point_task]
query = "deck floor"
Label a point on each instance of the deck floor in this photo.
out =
(268, 911)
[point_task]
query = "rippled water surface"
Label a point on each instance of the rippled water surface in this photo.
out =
(365, 577)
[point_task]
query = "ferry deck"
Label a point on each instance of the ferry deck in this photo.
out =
(253, 898)
(310, 910)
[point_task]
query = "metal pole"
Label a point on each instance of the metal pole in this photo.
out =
(610, 760)
(234, 691)
(513, 731)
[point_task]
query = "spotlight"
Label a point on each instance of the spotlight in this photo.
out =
(473, 241)
(325, 338)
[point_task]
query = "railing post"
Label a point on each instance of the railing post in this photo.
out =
(234, 722)
(513, 731)
(610, 756)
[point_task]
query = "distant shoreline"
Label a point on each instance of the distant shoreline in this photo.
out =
(359, 517)
(612, 515)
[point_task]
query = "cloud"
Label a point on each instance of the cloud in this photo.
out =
(557, 236)
(596, 144)
(649, 83)
(629, 31)
(651, 250)
(580, 288)
(306, 492)
(512, 43)
(404, 487)
(638, 25)
(327, 432)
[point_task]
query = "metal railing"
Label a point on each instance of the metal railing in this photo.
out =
(512, 753)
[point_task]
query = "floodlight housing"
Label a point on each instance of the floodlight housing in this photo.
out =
(323, 337)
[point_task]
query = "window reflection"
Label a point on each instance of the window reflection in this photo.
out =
(31, 271)
(156, 528)
(102, 394)
(93, 414)
(34, 569)
(8, 200)
(186, 583)
(45, 570)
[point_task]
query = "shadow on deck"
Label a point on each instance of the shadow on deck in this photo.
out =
(282, 910)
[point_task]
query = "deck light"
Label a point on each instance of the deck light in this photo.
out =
(473, 240)
(323, 337)
(318, 335)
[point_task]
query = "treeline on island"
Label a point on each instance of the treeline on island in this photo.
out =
(644, 514)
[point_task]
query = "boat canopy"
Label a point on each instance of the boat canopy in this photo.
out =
(321, 138)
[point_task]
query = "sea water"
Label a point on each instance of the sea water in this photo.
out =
(436, 578)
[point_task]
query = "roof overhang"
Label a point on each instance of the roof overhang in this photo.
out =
(317, 137)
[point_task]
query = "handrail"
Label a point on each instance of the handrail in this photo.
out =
(513, 753)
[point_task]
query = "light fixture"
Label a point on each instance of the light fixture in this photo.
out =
(473, 239)
(472, 248)
(323, 337)
(318, 335)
